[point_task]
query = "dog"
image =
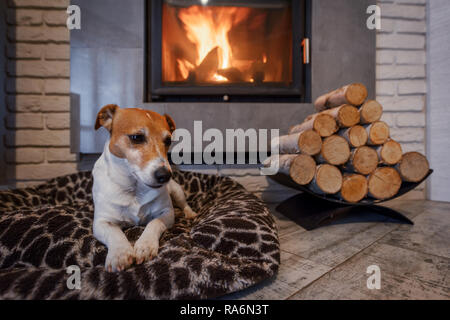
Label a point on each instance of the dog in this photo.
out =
(133, 184)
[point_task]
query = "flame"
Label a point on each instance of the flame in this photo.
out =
(207, 28)
(225, 44)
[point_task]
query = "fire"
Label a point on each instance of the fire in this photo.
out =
(225, 44)
(208, 27)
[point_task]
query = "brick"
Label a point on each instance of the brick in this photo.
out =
(39, 34)
(60, 155)
(411, 120)
(417, 147)
(39, 68)
(25, 138)
(421, 2)
(387, 25)
(24, 51)
(389, 10)
(24, 85)
(412, 87)
(406, 26)
(410, 57)
(409, 103)
(39, 3)
(55, 17)
(24, 17)
(400, 72)
(400, 41)
(41, 171)
(57, 52)
(408, 134)
(24, 121)
(385, 57)
(25, 155)
(386, 88)
(31, 103)
(389, 118)
(58, 121)
(57, 86)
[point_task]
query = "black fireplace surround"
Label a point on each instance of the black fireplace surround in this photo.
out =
(297, 89)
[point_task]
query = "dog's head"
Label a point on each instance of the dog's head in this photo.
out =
(142, 138)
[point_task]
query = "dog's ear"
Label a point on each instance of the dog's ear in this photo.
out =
(105, 116)
(170, 122)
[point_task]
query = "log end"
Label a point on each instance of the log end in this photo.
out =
(348, 116)
(354, 188)
(384, 183)
(365, 160)
(302, 169)
(357, 136)
(310, 142)
(413, 167)
(328, 179)
(325, 125)
(335, 150)
(379, 133)
(391, 152)
(356, 94)
(370, 112)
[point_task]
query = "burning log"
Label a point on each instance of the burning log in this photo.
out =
(324, 124)
(353, 94)
(308, 142)
(354, 188)
(378, 133)
(384, 183)
(301, 168)
(208, 67)
(335, 151)
(390, 153)
(232, 74)
(356, 136)
(327, 180)
(413, 167)
(363, 160)
(371, 111)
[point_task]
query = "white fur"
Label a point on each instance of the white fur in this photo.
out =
(121, 199)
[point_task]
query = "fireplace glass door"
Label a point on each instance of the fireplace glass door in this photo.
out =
(222, 48)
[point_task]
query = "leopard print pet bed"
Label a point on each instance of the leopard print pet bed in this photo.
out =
(231, 245)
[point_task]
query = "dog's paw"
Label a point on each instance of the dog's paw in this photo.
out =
(119, 258)
(189, 213)
(145, 249)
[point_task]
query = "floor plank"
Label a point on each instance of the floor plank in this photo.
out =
(430, 233)
(405, 274)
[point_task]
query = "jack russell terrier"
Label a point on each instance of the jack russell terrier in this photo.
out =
(133, 185)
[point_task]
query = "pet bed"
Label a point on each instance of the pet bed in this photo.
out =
(231, 245)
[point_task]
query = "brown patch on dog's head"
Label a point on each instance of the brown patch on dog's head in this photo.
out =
(143, 137)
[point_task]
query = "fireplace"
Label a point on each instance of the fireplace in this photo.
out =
(245, 50)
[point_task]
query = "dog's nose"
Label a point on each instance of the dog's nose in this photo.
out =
(162, 175)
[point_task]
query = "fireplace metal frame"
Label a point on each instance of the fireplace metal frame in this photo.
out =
(298, 91)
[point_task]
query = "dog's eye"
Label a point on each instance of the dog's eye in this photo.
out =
(168, 141)
(137, 138)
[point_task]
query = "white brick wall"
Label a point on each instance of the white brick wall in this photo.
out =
(37, 87)
(401, 72)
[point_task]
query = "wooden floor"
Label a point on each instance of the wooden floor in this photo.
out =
(331, 262)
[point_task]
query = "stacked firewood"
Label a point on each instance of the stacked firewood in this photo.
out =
(346, 150)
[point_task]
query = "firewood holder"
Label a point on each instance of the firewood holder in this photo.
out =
(311, 210)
